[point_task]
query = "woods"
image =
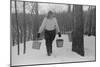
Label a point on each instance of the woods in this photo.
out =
(24, 26)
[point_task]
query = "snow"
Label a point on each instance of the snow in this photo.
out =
(59, 55)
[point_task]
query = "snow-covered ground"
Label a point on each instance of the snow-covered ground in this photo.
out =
(63, 54)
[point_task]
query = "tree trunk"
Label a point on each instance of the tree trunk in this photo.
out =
(24, 28)
(36, 22)
(77, 35)
(32, 15)
(90, 21)
(17, 27)
(69, 8)
(93, 30)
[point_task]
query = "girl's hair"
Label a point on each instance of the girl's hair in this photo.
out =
(49, 13)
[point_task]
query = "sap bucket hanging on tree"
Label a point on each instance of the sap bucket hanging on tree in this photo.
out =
(59, 43)
(36, 44)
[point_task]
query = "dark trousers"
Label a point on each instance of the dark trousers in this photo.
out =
(49, 37)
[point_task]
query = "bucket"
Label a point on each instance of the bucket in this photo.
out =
(59, 43)
(36, 45)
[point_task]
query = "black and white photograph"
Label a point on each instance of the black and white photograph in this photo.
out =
(51, 33)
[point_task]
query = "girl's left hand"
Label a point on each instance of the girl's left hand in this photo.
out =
(59, 34)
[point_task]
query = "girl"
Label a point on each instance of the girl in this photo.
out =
(50, 26)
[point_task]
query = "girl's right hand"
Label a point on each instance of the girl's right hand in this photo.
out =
(38, 35)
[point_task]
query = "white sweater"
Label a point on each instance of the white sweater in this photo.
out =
(49, 24)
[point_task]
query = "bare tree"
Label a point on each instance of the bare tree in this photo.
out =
(32, 15)
(69, 8)
(94, 21)
(12, 30)
(24, 24)
(17, 26)
(36, 21)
